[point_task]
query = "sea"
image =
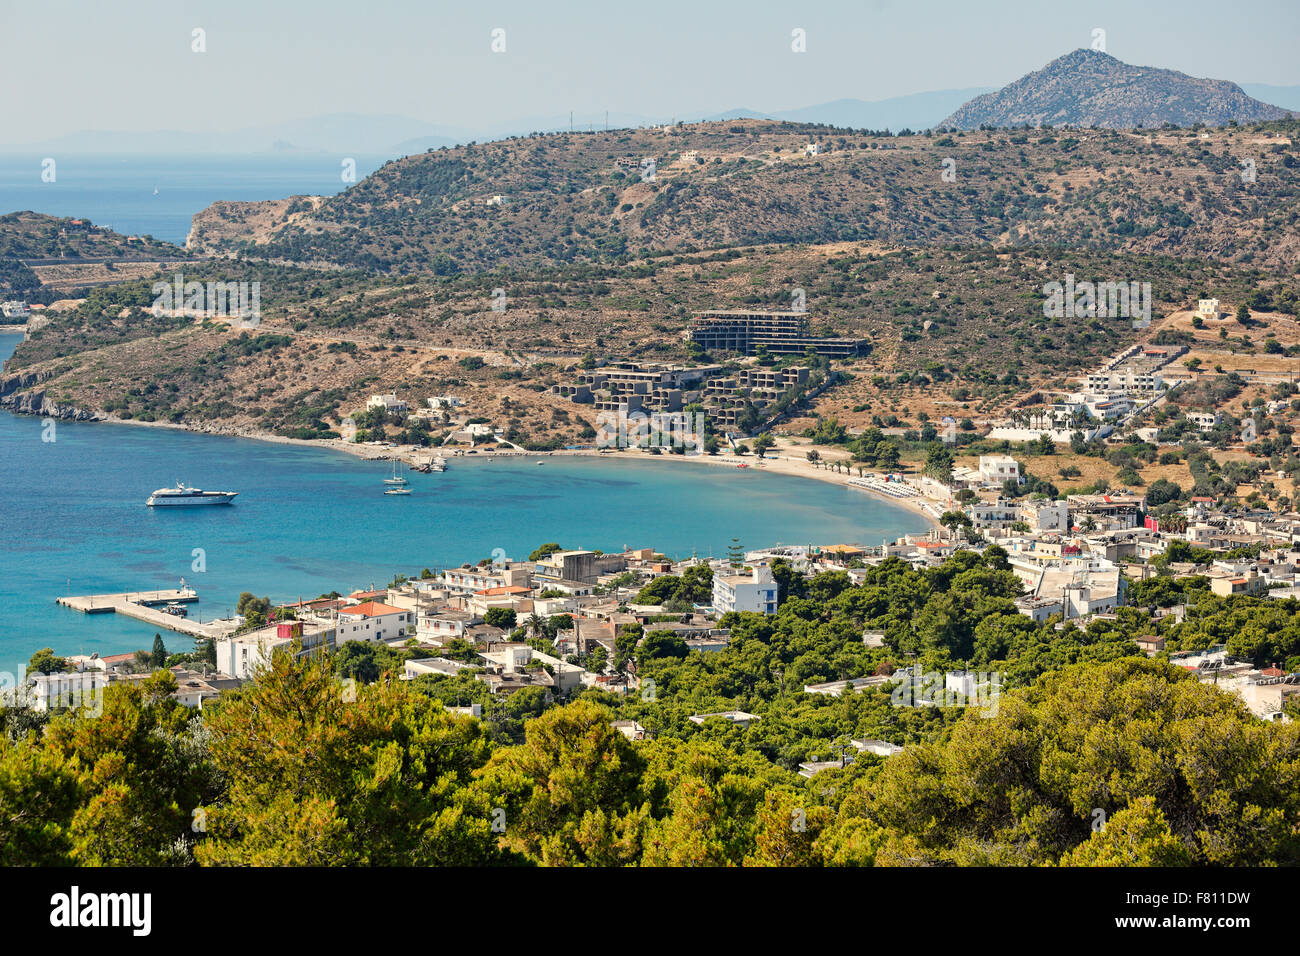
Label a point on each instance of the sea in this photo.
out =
(158, 195)
(310, 520)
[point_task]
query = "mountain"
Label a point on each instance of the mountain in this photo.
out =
(1089, 88)
(551, 200)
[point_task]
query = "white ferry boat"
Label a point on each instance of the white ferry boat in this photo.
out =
(180, 495)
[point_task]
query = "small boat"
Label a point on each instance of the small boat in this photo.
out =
(397, 491)
(397, 479)
(439, 464)
(177, 610)
(541, 463)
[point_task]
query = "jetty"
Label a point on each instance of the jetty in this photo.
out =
(143, 606)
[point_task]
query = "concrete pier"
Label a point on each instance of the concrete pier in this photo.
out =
(141, 606)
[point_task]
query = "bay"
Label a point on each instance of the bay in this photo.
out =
(310, 520)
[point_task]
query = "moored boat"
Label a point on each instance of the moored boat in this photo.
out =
(180, 495)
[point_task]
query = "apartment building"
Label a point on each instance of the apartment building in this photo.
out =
(1046, 515)
(993, 514)
(242, 655)
(1111, 512)
(999, 468)
(373, 621)
(726, 397)
(466, 581)
(442, 625)
(755, 591)
(574, 567)
(628, 387)
(1128, 381)
(778, 333)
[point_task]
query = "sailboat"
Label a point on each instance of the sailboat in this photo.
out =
(397, 483)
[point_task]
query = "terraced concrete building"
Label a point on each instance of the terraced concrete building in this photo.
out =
(780, 333)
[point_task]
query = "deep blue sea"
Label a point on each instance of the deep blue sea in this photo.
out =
(309, 520)
(117, 191)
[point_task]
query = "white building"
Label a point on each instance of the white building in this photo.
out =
(1046, 515)
(999, 468)
(373, 621)
(514, 659)
(242, 655)
(738, 717)
(881, 748)
(756, 591)
(442, 625)
(389, 403)
(993, 514)
(79, 690)
(1126, 382)
(1204, 421)
(467, 581)
(438, 666)
(1207, 308)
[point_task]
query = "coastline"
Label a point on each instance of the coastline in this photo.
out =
(415, 454)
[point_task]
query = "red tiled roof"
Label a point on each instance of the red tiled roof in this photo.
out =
(371, 609)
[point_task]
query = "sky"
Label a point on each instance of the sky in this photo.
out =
(128, 65)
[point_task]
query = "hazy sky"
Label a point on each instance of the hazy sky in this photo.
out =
(67, 65)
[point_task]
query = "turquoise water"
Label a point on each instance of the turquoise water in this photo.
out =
(310, 520)
(117, 191)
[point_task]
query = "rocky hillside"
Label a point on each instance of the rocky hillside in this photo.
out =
(1087, 88)
(43, 258)
(587, 198)
(943, 325)
(35, 236)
